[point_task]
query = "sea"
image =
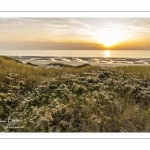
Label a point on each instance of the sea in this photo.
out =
(80, 53)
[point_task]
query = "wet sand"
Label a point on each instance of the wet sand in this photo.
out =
(75, 61)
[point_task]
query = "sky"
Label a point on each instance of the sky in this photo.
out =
(74, 33)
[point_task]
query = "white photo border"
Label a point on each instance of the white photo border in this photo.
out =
(61, 14)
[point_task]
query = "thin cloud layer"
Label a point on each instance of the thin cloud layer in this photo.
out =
(74, 33)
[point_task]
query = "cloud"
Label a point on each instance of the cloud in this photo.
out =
(147, 22)
(70, 30)
(48, 46)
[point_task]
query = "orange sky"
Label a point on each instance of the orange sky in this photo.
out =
(74, 33)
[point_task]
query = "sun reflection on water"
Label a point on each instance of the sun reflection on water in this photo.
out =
(107, 53)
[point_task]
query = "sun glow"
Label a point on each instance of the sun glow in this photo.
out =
(111, 36)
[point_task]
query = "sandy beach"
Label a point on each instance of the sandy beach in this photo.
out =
(75, 61)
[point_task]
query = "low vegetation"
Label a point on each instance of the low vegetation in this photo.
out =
(66, 65)
(29, 63)
(78, 99)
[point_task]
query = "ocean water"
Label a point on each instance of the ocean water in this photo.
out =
(80, 53)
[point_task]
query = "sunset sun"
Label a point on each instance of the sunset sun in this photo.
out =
(110, 37)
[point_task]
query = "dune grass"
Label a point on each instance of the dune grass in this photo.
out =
(139, 70)
(67, 65)
(78, 99)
